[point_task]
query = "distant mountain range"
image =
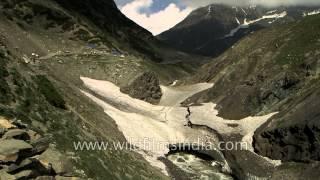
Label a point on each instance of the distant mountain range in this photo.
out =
(267, 61)
(212, 29)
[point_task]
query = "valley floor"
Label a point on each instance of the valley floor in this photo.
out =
(152, 128)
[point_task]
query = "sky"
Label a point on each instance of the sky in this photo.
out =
(160, 15)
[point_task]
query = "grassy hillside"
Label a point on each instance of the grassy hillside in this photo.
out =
(274, 70)
(283, 60)
(57, 109)
(45, 47)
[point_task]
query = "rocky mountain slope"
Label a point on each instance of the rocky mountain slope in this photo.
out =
(45, 47)
(213, 29)
(145, 87)
(55, 108)
(88, 21)
(124, 32)
(273, 70)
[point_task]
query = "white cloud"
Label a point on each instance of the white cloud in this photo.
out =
(156, 22)
(199, 3)
(171, 15)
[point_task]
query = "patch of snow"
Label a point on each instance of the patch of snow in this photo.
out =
(253, 6)
(244, 11)
(235, 7)
(235, 30)
(238, 21)
(246, 23)
(272, 21)
(209, 9)
(276, 16)
(164, 124)
(26, 59)
(35, 55)
(174, 83)
(315, 12)
(271, 12)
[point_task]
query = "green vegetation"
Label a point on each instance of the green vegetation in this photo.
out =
(50, 92)
(5, 96)
(304, 38)
(88, 123)
(264, 69)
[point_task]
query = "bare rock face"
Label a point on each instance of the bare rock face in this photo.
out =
(5, 124)
(25, 154)
(5, 175)
(292, 135)
(16, 134)
(45, 178)
(66, 178)
(145, 87)
(10, 149)
(53, 159)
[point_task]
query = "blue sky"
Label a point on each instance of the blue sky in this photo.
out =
(160, 15)
(155, 15)
(157, 5)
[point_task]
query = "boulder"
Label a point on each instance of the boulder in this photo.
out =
(145, 87)
(23, 164)
(26, 174)
(20, 124)
(6, 124)
(45, 178)
(29, 164)
(40, 145)
(2, 132)
(67, 178)
(5, 176)
(16, 134)
(34, 136)
(4, 167)
(53, 160)
(11, 149)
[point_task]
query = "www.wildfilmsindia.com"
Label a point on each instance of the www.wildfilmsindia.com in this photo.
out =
(148, 144)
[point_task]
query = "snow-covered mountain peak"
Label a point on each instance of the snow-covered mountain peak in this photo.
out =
(212, 29)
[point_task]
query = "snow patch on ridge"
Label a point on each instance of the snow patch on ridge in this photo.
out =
(246, 23)
(209, 9)
(271, 12)
(315, 12)
(174, 82)
(238, 21)
(244, 11)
